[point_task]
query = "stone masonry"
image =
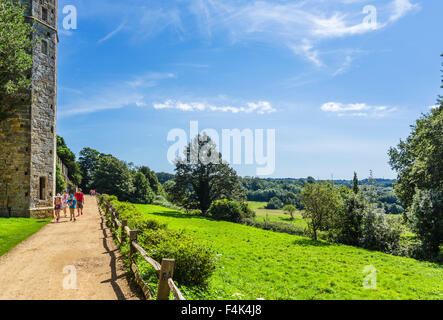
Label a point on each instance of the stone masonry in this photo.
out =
(28, 138)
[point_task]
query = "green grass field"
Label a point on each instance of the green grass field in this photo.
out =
(275, 215)
(254, 263)
(15, 230)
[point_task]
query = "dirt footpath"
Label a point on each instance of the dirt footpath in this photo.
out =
(66, 261)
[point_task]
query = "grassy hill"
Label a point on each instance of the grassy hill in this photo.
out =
(254, 263)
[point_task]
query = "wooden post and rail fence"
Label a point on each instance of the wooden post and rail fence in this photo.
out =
(164, 270)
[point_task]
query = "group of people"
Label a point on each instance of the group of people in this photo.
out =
(71, 202)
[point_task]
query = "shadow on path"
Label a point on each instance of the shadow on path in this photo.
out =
(113, 264)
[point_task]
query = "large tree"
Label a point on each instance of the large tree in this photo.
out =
(202, 177)
(152, 178)
(142, 190)
(418, 159)
(15, 58)
(113, 177)
(321, 201)
(88, 161)
(426, 220)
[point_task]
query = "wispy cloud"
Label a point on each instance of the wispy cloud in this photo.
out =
(357, 110)
(149, 80)
(400, 8)
(344, 67)
(192, 65)
(300, 26)
(113, 33)
(261, 107)
(114, 95)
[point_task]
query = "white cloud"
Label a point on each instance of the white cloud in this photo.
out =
(434, 107)
(357, 110)
(261, 107)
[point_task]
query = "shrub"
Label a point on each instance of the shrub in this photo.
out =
(379, 232)
(163, 202)
(194, 263)
(275, 226)
(194, 212)
(230, 210)
(274, 203)
(346, 225)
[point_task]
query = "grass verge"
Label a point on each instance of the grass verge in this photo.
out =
(15, 230)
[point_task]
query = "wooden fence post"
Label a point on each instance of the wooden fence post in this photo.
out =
(123, 231)
(166, 272)
(132, 237)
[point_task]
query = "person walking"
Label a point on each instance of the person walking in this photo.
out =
(58, 205)
(80, 197)
(72, 202)
(65, 199)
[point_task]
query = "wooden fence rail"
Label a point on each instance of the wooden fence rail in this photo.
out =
(165, 269)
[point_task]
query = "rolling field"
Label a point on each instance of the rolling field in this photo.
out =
(275, 215)
(254, 263)
(15, 230)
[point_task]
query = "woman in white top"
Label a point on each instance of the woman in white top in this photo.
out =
(65, 199)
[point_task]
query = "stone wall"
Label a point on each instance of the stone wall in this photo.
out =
(28, 138)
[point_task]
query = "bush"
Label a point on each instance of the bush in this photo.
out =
(230, 210)
(379, 232)
(163, 202)
(274, 203)
(275, 226)
(346, 225)
(194, 212)
(194, 263)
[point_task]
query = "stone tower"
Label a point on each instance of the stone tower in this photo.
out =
(28, 138)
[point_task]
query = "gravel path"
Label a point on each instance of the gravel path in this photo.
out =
(45, 265)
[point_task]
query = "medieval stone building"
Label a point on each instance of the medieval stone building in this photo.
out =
(28, 138)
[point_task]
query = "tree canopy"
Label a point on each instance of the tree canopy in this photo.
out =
(15, 60)
(88, 161)
(68, 159)
(418, 159)
(202, 177)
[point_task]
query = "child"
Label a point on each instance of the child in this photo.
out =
(72, 204)
(58, 206)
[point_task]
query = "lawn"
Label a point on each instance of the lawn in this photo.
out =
(254, 263)
(15, 230)
(275, 215)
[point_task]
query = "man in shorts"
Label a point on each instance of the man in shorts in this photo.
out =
(80, 197)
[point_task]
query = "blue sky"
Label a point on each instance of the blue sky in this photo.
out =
(338, 85)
